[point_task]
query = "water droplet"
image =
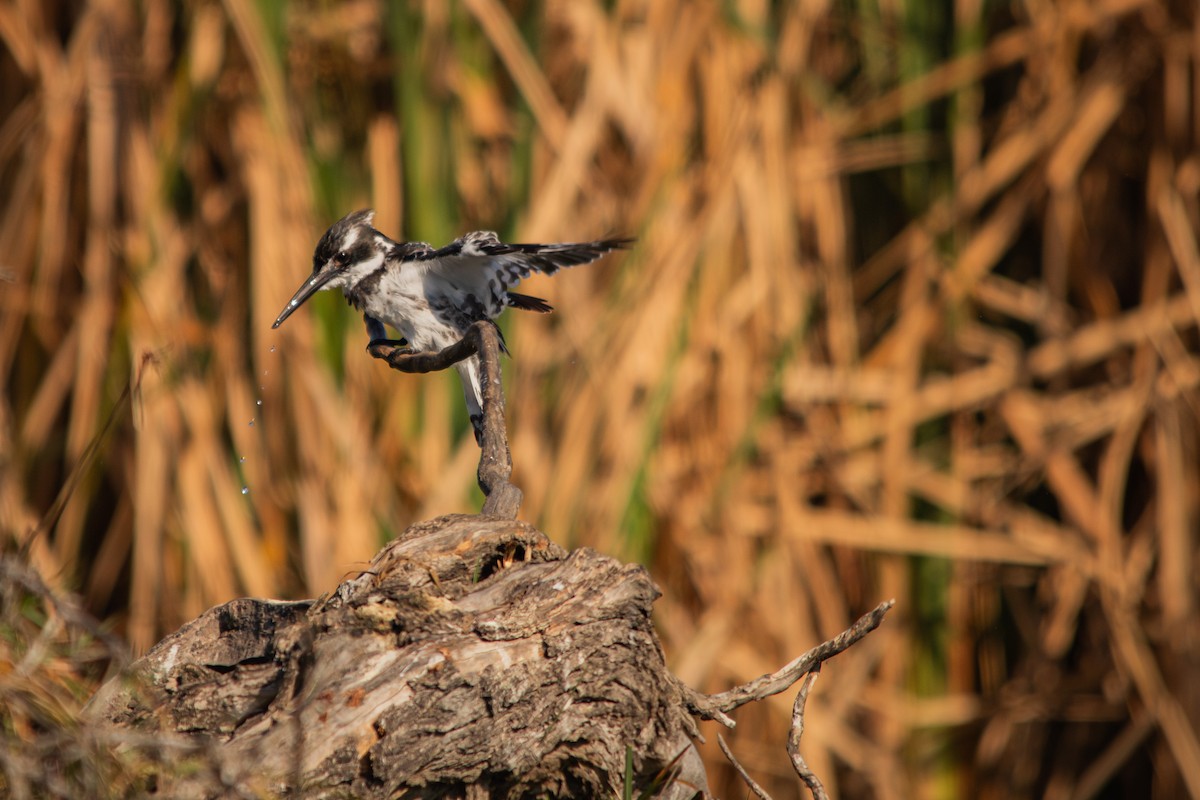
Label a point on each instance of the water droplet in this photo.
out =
(272, 350)
(258, 402)
(242, 460)
(245, 490)
(251, 423)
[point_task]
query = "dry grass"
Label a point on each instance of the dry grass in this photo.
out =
(913, 314)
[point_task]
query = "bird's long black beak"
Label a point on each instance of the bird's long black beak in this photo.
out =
(307, 290)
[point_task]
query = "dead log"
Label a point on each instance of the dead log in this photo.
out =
(474, 658)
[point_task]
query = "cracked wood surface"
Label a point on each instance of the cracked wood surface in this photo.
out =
(473, 658)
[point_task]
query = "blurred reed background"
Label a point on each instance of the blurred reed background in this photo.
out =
(913, 314)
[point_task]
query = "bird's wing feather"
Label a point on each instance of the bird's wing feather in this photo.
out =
(527, 302)
(477, 269)
(412, 251)
(481, 257)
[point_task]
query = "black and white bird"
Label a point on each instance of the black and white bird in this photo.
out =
(431, 297)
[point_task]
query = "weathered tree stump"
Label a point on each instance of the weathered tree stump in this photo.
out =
(474, 658)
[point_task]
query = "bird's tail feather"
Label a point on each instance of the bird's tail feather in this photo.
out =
(468, 371)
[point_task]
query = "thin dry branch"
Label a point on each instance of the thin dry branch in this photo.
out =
(793, 746)
(495, 459)
(797, 730)
(716, 706)
(754, 787)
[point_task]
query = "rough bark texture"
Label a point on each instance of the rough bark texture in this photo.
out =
(474, 658)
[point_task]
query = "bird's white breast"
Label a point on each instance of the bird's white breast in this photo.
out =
(400, 301)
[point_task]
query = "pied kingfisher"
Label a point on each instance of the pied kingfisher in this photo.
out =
(431, 297)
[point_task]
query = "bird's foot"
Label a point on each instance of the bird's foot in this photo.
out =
(387, 348)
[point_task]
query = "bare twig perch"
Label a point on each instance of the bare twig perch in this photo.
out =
(495, 459)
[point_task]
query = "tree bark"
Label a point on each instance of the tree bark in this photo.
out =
(474, 658)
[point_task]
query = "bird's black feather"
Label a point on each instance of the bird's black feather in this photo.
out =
(527, 302)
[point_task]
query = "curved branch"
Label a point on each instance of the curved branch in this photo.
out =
(716, 706)
(495, 459)
(793, 743)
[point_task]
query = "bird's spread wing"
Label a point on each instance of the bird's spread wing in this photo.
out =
(481, 255)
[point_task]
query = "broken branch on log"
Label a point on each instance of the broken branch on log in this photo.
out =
(716, 706)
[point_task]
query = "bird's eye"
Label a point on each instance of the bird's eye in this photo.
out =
(341, 258)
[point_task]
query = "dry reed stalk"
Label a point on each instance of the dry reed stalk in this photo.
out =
(811, 384)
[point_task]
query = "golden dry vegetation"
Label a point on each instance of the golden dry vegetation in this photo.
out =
(913, 313)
